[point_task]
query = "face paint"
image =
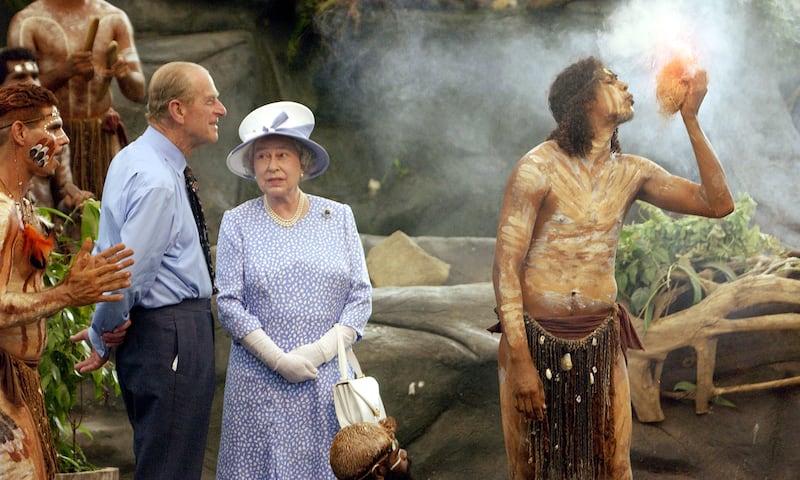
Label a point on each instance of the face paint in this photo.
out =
(26, 68)
(613, 98)
(45, 147)
(21, 71)
(41, 152)
(54, 126)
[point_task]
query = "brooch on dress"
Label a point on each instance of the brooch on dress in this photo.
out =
(326, 213)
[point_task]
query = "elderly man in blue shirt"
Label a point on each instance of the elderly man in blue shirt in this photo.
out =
(163, 327)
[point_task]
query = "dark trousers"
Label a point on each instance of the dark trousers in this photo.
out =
(168, 401)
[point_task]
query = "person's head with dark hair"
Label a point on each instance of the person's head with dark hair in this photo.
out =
(572, 95)
(25, 101)
(367, 451)
(18, 65)
(30, 122)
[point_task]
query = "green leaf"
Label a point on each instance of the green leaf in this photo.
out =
(90, 219)
(650, 249)
(684, 386)
(723, 268)
(60, 383)
(697, 288)
(719, 400)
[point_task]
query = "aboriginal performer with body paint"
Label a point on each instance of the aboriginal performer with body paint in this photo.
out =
(82, 45)
(31, 137)
(564, 392)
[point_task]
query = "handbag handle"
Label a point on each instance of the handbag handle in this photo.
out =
(345, 356)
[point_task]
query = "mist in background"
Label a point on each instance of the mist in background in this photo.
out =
(730, 39)
(450, 101)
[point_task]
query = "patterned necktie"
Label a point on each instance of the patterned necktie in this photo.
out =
(199, 219)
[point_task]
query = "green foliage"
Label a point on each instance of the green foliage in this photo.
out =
(684, 386)
(784, 18)
(61, 384)
(398, 170)
(652, 251)
(306, 11)
(303, 26)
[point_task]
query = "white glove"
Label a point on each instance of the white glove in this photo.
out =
(326, 348)
(293, 368)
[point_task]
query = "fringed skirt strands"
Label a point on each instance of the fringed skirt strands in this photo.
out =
(576, 439)
(93, 143)
(21, 384)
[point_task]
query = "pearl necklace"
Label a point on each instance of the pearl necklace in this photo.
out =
(282, 221)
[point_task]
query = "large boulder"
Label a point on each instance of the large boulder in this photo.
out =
(399, 262)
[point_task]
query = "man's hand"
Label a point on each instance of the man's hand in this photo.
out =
(94, 361)
(79, 64)
(698, 86)
(119, 69)
(527, 388)
(91, 276)
(115, 337)
(74, 196)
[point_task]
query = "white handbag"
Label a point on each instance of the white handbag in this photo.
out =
(355, 399)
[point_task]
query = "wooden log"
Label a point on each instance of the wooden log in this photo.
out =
(747, 387)
(460, 313)
(699, 327)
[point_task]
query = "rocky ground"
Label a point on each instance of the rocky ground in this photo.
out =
(437, 369)
(755, 440)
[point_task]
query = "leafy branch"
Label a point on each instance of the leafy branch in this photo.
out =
(61, 384)
(663, 257)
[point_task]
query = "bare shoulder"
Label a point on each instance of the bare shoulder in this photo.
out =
(540, 158)
(631, 158)
(109, 12)
(533, 171)
(645, 167)
(103, 7)
(543, 153)
(7, 211)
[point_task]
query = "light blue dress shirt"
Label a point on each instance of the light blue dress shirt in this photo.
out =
(145, 206)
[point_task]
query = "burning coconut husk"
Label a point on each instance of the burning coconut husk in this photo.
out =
(672, 83)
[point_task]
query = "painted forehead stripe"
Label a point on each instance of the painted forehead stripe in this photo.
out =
(26, 67)
(55, 118)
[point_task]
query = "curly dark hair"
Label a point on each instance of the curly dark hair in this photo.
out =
(19, 101)
(571, 96)
(14, 54)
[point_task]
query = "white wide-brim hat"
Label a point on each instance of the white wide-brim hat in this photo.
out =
(288, 119)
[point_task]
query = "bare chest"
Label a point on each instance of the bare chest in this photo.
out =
(594, 198)
(57, 36)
